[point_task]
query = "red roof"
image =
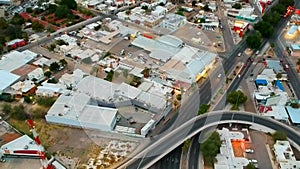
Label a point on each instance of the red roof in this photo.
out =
(25, 15)
(297, 11)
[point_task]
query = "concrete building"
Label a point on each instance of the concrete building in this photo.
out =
(71, 80)
(184, 64)
(37, 74)
(23, 88)
(79, 110)
(285, 155)
(295, 50)
(22, 146)
(226, 158)
(294, 115)
(173, 21)
(159, 11)
(240, 27)
(278, 113)
(16, 59)
(7, 79)
(246, 14)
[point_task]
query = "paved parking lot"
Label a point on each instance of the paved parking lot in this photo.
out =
(199, 38)
(258, 144)
(18, 163)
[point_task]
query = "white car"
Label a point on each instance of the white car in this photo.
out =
(252, 161)
(240, 54)
(249, 151)
(219, 76)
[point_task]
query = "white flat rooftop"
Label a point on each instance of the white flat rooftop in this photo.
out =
(20, 145)
(15, 59)
(7, 79)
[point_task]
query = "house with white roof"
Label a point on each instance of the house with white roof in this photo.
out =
(159, 11)
(71, 80)
(226, 157)
(278, 113)
(294, 115)
(22, 146)
(37, 74)
(78, 110)
(173, 21)
(285, 156)
(22, 87)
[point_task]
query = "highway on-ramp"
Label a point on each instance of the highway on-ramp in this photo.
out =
(170, 141)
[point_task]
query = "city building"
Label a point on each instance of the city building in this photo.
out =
(173, 21)
(294, 114)
(7, 79)
(278, 113)
(16, 59)
(292, 32)
(246, 13)
(240, 27)
(79, 110)
(36, 75)
(23, 88)
(263, 4)
(15, 43)
(295, 50)
(227, 158)
(22, 146)
(285, 156)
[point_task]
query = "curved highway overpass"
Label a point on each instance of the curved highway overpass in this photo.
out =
(170, 141)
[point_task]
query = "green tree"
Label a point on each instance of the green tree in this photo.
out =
(179, 97)
(48, 74)
(278, 75)
(206, 8)
(186, 145)
(237, 6)
(280, 8)
(279, 135)
(145, 7)
(146, 72)
(254, 41)
(3, 23)
(236, 97)
(71, 4)
(52, 80)
(128, 12)
(61, 42)
(265, 28)
(62, 11)
(6, 108)
(45, 101)
(18, 113)
(17, 20)
(180, 13)
(109, 76)
(29, 10)
(63, 62)
(298, 62)
(203, 108)
(250, 166)
(36, 26)
(27, 99)
(54, 66)
(210, 148)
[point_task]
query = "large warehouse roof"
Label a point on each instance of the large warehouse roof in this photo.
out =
(97, 88)
(75, 110)
(7, 79)
(15, 59)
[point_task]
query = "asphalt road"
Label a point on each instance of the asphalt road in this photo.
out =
(279, 51)
(173, 139)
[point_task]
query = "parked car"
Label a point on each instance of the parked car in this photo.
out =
(252, 161)
(240, 54)
(249, 151)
